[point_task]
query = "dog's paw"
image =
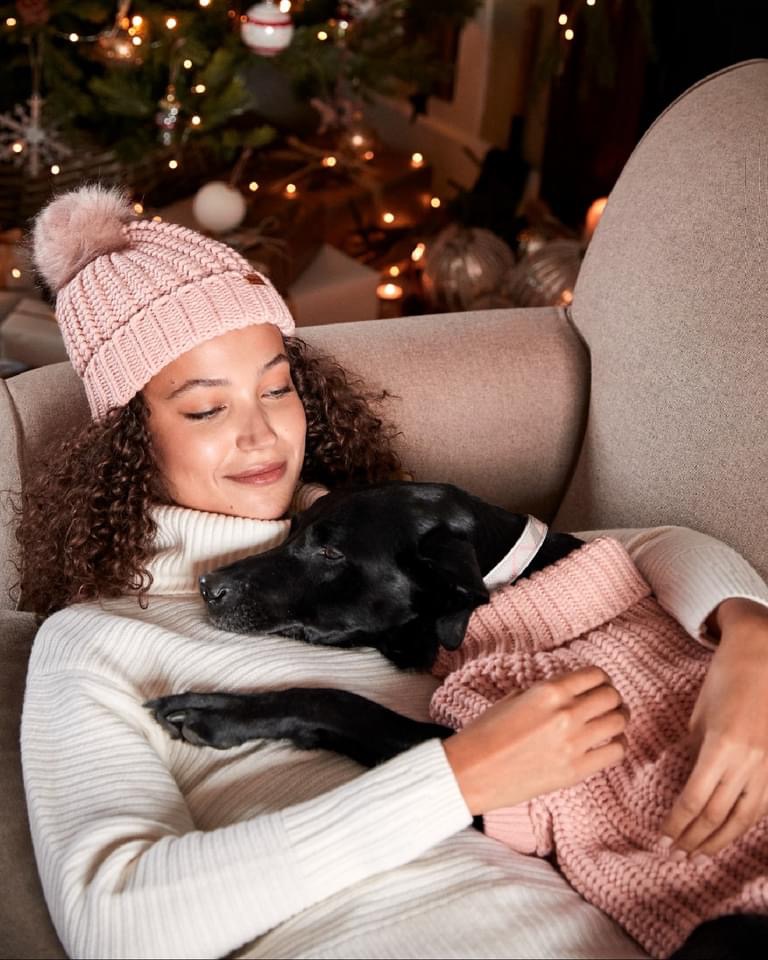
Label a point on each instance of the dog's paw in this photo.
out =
(195, 719)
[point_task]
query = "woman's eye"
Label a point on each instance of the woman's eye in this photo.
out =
(331, 553)
(281, 392)
(203, 415)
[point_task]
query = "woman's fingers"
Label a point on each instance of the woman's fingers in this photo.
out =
(747, 810)
(580, 681)
(604, 728)
(607, 755)
(718, 809)
(701, 785)
(596, 702)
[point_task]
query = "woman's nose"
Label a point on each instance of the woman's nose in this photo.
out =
(254, 430)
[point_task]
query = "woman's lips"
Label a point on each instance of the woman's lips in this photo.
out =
(271, 474)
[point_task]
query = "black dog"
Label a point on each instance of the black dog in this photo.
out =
(398, 567)
(395, 566)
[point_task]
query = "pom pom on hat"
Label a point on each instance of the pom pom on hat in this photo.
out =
(77, 227)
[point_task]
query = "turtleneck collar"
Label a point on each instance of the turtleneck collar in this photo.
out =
(190, 542)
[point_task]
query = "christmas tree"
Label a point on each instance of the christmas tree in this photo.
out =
(161, 84)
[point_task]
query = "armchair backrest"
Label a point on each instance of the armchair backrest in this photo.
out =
(672, 301)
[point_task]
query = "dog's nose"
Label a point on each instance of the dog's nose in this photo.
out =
(213, 588)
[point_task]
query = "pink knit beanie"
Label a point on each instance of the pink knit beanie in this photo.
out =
(132, 295)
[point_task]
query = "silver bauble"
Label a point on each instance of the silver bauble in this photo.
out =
(464, 263)
(545, 277)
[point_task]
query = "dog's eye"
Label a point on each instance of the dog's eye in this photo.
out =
(331, 553)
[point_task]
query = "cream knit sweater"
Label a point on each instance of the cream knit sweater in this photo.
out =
(149, 847)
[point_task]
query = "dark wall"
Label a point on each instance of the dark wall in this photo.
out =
(619, 76)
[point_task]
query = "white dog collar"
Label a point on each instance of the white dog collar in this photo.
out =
(519, 557)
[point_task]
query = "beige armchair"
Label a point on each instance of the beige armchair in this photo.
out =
(644, 404)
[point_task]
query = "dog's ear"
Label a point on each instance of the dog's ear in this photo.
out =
(447, 570)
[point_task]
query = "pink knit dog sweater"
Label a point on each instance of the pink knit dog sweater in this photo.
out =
(594, 608)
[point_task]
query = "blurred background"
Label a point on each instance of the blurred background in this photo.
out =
(376, 158)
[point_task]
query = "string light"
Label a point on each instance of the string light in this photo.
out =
(196, 121)
(568, 34)
(173, 164)
(205, 3)
(138, 208)
(418, 252)
(157, 218)
(171, 23)
(137, 21)
(74, 37)
(136, 41)
(285, 6)
(15, 273)
(388, 217)
(55, 169)
(329, 161)
(417, 160)
(17, 147)
(591, 3)
(394, 271)
(322, 35)
(253, 186)
(291, 190)
(369, 155)
(199, 88)
(434, 202)
(10, 22)
(562, 19)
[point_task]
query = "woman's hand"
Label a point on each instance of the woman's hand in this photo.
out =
(555, 734)
(727, 791)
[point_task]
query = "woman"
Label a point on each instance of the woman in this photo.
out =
(212, 423)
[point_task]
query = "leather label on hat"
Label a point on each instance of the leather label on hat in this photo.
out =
(254, 278)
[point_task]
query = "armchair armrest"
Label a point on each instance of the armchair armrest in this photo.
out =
(27, 928)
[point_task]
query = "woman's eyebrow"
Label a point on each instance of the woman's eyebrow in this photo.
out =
(206, 382)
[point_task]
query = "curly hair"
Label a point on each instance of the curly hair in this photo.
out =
(85, 527)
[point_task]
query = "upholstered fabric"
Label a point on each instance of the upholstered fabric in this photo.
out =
(671, 300)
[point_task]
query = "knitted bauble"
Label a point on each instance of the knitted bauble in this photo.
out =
(132, 295)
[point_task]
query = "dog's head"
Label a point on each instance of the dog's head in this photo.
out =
(391, 566)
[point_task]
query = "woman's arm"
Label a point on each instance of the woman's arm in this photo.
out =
(727, 791)
(128, 873)
(720, 600)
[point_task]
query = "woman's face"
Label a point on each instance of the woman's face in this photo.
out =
(228, 426)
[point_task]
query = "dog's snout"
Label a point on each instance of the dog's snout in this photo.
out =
(214, 588)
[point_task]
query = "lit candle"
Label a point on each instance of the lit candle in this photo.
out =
(593, 218)
(389, 291)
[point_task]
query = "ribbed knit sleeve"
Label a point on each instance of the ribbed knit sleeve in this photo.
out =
(690, 572)
(128, 873)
